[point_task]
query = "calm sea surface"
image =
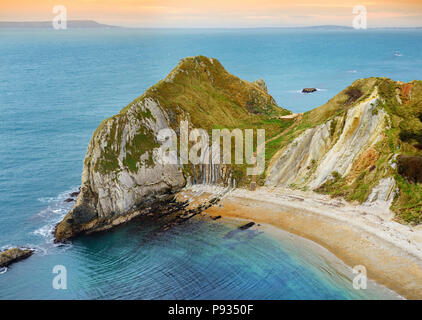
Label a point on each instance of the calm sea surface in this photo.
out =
(55, 89)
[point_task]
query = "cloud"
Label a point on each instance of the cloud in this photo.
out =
(302, 17)
(259, 17)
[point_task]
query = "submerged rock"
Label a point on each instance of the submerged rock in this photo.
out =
(247, 226)
(13, 255)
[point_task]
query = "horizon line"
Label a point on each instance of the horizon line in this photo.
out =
(100, 24)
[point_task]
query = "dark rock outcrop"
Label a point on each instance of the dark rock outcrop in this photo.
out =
(75, 194)
(410, 167)
(12, 255)
(309, 90)
(260, 83)
(247, 226)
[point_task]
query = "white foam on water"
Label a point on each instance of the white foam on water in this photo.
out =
(5, 247)
(53, 214)
(3, 270)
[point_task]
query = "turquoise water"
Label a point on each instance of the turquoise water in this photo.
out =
(56, 87)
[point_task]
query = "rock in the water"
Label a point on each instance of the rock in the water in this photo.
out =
(75, 194)
(247, 226)
(309, 90)
(69, 200)
(216, 217)
(12, 255)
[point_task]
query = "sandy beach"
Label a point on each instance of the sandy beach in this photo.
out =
(358, 235)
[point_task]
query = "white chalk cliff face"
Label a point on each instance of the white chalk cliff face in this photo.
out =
(124, 175)
(119, 189)
(111, 190)
(311, 158)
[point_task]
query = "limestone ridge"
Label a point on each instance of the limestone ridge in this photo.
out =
(122, 176)
(314, 155)
(350, 147)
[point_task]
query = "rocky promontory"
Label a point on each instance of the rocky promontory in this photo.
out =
(122, 173)
(12, 255)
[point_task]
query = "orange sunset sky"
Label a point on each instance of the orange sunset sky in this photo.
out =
(218, 13)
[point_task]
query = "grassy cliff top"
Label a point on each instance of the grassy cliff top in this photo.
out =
(397, 98)
(401, 101)
(213, 97)
(200, 90)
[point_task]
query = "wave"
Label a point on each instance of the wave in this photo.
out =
(3, 270)
(5, 247)
(53, 214)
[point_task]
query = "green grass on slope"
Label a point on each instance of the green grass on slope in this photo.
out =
(408, 204)
(201, 90)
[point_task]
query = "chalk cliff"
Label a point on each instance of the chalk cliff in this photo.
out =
(348, 147)
(122, 175)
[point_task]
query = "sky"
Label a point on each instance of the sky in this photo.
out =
(218, 13)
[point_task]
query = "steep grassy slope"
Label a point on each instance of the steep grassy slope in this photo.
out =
(200, 90)
(349, 146)
(212, 96)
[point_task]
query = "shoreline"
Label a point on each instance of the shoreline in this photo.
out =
(358, 235)
(333, 260)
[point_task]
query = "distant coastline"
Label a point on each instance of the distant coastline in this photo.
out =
(79, 24)
(48, 24)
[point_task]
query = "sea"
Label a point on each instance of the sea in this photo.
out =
(56, 86)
